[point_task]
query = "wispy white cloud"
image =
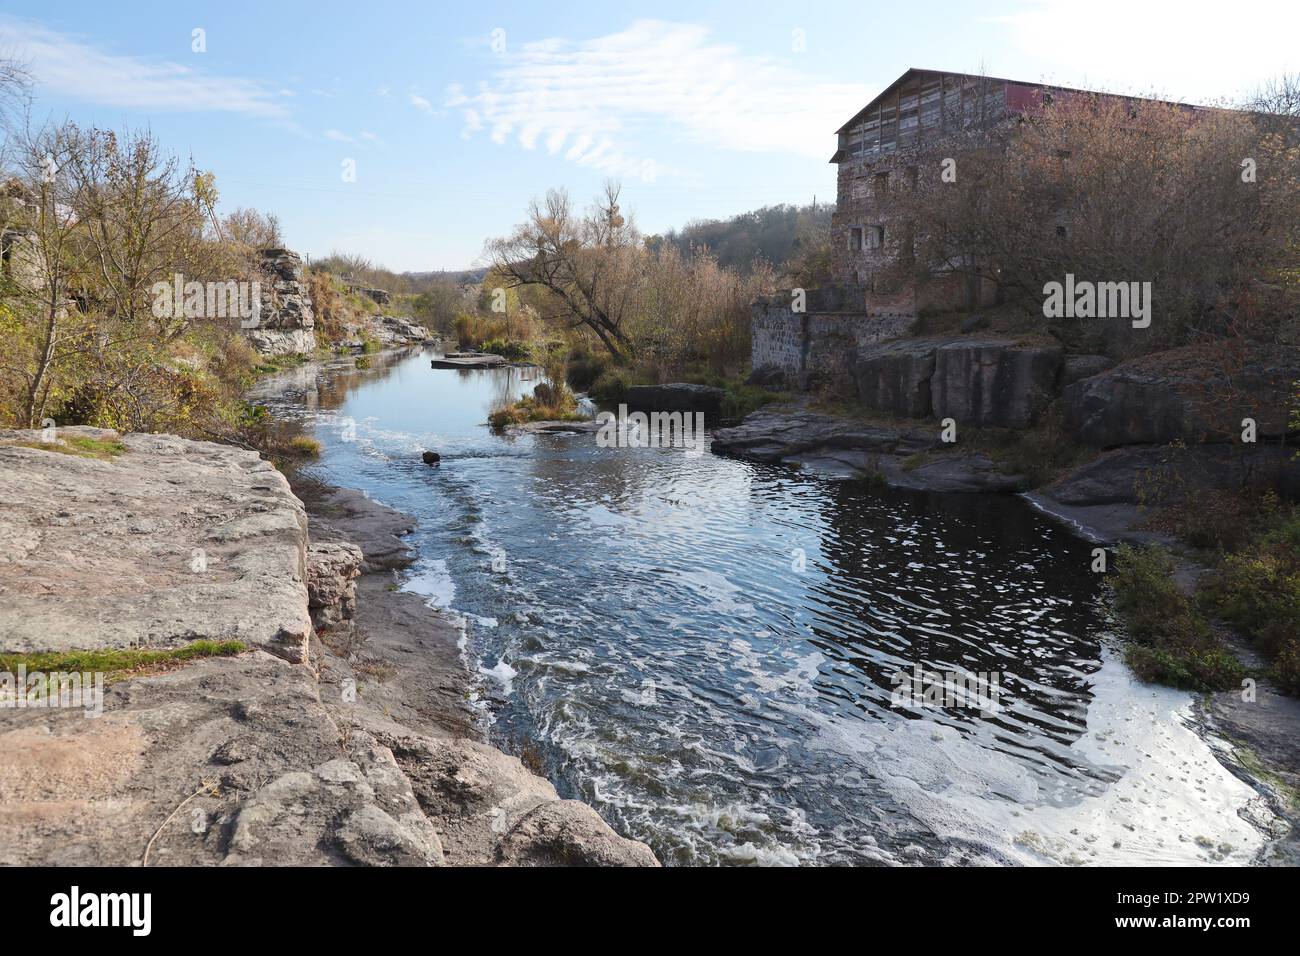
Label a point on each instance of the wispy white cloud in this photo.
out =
(589, 99)
(421, 104)
(70, 67)
(338, 136)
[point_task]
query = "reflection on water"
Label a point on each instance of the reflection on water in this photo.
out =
(706, 649)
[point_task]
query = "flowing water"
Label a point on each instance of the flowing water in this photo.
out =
(707, 650)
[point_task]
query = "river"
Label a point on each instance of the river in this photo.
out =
(707, 650)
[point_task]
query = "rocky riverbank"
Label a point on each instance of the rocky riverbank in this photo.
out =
(1104, 500)
(336, 732)
(900, 455)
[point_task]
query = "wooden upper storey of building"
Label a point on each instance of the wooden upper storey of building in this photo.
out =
(924, 106)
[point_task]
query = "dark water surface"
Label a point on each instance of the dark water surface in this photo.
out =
(705, 649)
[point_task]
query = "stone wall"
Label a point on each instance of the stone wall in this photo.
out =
(818, 348)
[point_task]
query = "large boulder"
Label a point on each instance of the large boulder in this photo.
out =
(1198, 393)
(489, 809)
(156, 543)
(1084, 366)
(773, 434)
(976, 381)
(1167, 474)
(676, 397)
(993, 383)
(895, 377)
(332, 570)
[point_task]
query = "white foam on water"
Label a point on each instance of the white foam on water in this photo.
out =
(503, 674)
(1170, 803)
(431, 579)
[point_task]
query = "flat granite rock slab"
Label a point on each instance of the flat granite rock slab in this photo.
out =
(467, 360)
(168, 542)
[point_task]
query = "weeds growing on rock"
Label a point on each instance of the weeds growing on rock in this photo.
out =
(1257, 590)
(81, 446)
(118, 662)
(1173, 644)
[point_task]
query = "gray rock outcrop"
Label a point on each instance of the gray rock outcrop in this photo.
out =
(971, 380)
(368, 755)
(286, 322)
(332, 570)
(170, 541)
(675, 397)
(1084, 366)
(993, 383)
(910, 458)
(389, 331)
(1196, 394)
(1167, 474)
(895, 377)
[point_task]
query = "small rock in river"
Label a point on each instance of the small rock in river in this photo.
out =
(431, 458)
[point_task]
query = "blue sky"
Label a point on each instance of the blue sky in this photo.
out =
(456, 116)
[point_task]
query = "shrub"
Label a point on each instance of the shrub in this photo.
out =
(509, 415)
(1194, 667)
(304, 446)
(505, 348)
(1145, 592)
(1258, 591)
(739, 400)
(473, 330)
(611, 385)
(1174, 645)
(583, 369)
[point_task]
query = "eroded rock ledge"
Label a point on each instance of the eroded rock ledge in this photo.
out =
(347, 745)
(912, 458)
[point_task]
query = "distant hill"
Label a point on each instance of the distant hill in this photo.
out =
(457, 276)
(774, 233)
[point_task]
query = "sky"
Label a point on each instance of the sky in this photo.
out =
(451, 118)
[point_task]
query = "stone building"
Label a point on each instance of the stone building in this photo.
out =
(921, 120)
(914, 123)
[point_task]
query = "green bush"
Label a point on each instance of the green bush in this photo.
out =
(1146, 594)
(739, 400)
(583, 370)
(611, 385)
(1257, 590)
(304, 446)
(1195, 667)
(506, 348)
(1173, 643)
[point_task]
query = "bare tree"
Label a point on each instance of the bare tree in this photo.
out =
(1201, 203)
(1278, 103)
(44, 267)
(584, 266)
(142, 220)
(15, 95)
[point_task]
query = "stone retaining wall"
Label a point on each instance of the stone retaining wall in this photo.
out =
(818, 347)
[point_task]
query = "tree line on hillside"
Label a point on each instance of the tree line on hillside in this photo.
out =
(778, 235)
